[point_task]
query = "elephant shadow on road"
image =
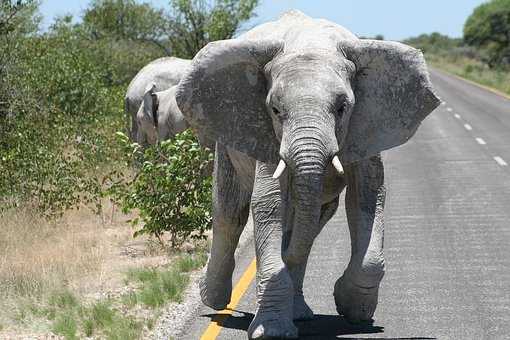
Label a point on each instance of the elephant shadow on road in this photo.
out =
(322, 326)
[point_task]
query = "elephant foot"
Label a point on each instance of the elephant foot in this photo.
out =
(301, 309)
(273, 318)
(216, 286)
(272, 325)
(357, 304)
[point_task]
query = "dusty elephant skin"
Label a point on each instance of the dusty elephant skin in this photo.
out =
(301, 109)
(158, 117)
(144, 91)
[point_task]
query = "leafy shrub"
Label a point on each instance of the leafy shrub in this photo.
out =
(61, 94)
(58, 123)
(171, 191)
(488, 28)
(47, 159)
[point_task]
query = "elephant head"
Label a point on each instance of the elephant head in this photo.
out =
(158, 117)
(308, 108)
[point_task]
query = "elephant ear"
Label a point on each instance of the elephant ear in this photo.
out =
(168, 104)
(393, 95)
(150, 103)
(224, 92)
(176, 119)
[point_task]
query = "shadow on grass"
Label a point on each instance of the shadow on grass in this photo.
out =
(324, 327)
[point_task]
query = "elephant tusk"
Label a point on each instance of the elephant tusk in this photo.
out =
(279, 169)
(338, 166)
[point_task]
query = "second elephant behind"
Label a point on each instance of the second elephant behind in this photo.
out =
(150, 106)
(157, 76)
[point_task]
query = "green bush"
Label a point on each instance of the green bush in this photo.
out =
(61, 99)
(57, 127)
(172, 189)
(488, 29)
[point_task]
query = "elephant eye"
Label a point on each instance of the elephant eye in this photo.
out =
(341, 109)
(276, 111)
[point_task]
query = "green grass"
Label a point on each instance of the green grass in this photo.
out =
(143, 274)
(188, 263)
(102, 316)
(65, 324)
(473, 70)
(159, 286)
(64, 299)
(72, 320)
(154, 287)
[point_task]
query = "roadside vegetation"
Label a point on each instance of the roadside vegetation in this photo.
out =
(74, 190)
(482, 54)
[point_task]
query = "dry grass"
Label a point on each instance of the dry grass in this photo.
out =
(37, 255)
(82, 253)
(472, 70)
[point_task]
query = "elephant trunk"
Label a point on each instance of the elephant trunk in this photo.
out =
(309, 154)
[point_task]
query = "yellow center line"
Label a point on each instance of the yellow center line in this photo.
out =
(214, 328)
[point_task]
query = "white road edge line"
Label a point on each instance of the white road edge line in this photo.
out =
(500, 161)
(457, 116)
(480, 141)
(468, 127)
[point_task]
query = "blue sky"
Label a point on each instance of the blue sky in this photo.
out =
(395, 19)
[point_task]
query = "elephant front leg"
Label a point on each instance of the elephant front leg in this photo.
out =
(273, 317)
(230, 212)
(356, 292)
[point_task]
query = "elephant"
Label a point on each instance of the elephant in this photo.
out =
(158, 117)
(301, 109)
(159, 75)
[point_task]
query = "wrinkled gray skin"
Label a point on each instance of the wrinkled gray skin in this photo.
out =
(163, 73)
(301, 90)
(158, 117)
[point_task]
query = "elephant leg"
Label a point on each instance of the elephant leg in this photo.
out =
(356, 292)
(273, 317)
(231, 207)
(301, 309)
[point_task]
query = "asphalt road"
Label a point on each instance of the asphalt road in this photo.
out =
(447, 240)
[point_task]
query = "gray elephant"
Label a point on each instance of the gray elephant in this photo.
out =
(290, 104)
(158, 117)
(163, 73)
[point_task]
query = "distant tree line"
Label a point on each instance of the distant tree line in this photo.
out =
(486, 36)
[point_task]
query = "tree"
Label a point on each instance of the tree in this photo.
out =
(181, 32)
(488, 28)
(18, 19)
(194, 23)
(434, 43)
(128, 20)
(13, 15)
